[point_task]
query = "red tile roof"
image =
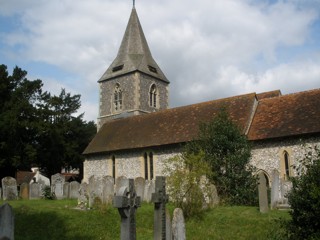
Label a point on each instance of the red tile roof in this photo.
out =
(24, 177)
(287, 115)
(171, 126)
(271, 94)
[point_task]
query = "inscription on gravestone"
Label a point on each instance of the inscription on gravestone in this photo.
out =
(160, 198)
(127, 203)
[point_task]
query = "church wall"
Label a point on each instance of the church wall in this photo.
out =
(128, 163)
(269, 155)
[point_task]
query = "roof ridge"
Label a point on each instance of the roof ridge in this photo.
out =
(290, 94)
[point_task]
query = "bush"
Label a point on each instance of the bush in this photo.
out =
(304, 198)
(187, 187)
(47, 194)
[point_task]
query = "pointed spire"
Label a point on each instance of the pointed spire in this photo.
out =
(134, 53)
(134, 3)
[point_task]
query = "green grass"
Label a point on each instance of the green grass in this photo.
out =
(57, 219)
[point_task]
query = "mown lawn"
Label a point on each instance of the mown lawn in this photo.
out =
(57, 219)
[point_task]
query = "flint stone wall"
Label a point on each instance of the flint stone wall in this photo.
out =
(266, 155)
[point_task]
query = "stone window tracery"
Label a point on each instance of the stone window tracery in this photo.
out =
(153, 96)
(117, 100)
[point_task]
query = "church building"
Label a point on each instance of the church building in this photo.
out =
(137, 131)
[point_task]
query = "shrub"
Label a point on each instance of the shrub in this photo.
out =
(47, 194)
(304, 198)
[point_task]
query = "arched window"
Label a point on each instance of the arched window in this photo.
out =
(153, 96)
(148, 166)
(151, 165)
(146, 175)
(286, 165)
(117, 101)
(114, 167)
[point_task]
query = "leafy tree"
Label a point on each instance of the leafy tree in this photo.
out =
(228, 153)
(304, 199)
(187, 185)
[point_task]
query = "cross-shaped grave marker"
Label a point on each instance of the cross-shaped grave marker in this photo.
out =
(160, 198)
(127, 203)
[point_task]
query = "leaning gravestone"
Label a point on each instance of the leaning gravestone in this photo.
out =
(24, 191)
(9, 188)
(263, 194)
(127, 203)
(108, 189)
(160, 199)
(35, 191)
(74, 190)
(57, 182)
(6, 222)
(178, 225)
(275, 189)
(139, 184)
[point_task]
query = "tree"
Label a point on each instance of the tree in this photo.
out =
(37, 128)
(228, 153)
(304, 198)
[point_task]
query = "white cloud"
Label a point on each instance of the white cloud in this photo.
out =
(208, 49)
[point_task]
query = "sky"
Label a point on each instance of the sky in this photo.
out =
(208, 49)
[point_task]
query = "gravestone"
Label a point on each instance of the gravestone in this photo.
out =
(127, 203)
(35, 190)
(66, 190)
(95, 190)
(6, 222)
(24, 191)
(120, 182)
(149, 189)
(9, 188)
(178, 225)
(83, 199)
(139, 184)
(74, 190)
(263, 194)
(160, 198)
(108, 189)
(285, 188)
(57, 182)
(275, 189)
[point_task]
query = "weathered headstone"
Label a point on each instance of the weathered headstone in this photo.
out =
(263, 194)
(120, 182)
(74, 190)
(35, 190)
(275, 189)
(108, 189)
(160, 198)
(285, 188)
(127, 203)
(139, 184)
(83, 199)
(6, 222)
(9, 188)
(24, 191)
(178, 225)
(149, 189)
(57, 182)
(66, 190)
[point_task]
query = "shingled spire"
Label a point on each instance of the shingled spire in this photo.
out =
(134, 54)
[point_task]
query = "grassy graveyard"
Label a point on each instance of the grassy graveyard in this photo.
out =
(57, 219)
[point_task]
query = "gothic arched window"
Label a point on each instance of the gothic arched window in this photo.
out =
(117, 101)
(153, 96)
(286, 164)
(148, 166)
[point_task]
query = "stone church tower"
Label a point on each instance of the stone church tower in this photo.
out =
(133, 84)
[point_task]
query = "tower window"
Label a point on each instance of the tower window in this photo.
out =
(117, 101)
(153, 96)
(152, 69)
(117, 68)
